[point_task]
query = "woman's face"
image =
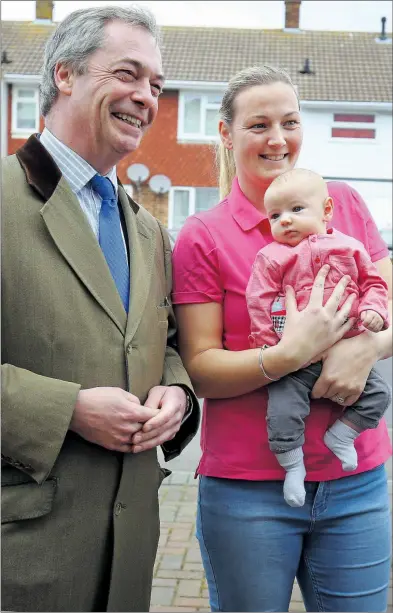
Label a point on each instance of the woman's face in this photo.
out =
(265, 134)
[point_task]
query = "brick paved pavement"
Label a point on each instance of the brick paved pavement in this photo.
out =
(179, 583)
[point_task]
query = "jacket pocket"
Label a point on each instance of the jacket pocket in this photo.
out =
(27, 500)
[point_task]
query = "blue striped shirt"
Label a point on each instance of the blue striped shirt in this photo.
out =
(77, 172)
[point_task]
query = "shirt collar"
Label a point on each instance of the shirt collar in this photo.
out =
(243, 211)
(73, 167)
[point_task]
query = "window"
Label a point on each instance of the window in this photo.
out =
(185, 201)
(198, 116)
(25, 110)
(353, 125)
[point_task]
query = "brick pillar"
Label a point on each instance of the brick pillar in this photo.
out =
(292, 14)
(156, 204)
(44, 10)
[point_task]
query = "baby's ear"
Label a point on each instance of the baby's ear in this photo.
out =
(328, 208)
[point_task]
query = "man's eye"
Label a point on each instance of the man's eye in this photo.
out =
(259, 126)
(156, 90)
(126, 75)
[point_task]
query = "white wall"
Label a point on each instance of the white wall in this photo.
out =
(361, 163)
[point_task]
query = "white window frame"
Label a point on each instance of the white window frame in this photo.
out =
(354, 125)
(200, 137)
(171, 202)
(17, 132)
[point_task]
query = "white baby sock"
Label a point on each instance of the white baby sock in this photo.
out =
(339, 438)
(292, 461)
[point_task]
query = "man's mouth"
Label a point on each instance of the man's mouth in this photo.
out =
(130, 119)
(274, 158)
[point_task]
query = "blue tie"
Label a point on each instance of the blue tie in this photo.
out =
(110, 236)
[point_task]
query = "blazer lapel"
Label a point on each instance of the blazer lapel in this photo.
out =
(75, 240)
(141, 248)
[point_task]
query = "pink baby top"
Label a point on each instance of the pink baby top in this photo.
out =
(278, 265)
(212, 262)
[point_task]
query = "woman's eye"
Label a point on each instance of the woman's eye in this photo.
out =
(292, 123)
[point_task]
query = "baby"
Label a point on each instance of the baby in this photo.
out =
(299, 208)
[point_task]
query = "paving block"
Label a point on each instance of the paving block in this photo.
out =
(181, 601)
(162, 595)
(189, 587)
(171, 562)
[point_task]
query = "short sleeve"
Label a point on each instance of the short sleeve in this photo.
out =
(196, 273)
(356, 220)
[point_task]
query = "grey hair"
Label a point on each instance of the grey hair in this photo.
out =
(246, 78)
(78, 36)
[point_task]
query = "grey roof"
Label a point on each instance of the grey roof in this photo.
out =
(348, 66)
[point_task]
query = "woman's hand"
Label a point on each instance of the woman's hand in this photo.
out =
(345, 378)
(310, 332)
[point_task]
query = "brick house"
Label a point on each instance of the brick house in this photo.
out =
(344, 81)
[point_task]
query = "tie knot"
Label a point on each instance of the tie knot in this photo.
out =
(104, 187)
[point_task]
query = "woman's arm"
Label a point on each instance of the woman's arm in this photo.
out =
(347, 377)
(218, 373)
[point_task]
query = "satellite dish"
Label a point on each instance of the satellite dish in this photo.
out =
(138, 173)
(160, 184)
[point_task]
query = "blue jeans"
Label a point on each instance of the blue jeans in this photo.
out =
(338, 544)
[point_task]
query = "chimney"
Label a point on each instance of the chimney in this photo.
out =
(383, 36)
(44, 11)
(292, 14)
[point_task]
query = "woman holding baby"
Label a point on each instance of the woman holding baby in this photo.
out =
(336, 542)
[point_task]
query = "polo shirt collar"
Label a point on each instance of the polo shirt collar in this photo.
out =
(243, 211)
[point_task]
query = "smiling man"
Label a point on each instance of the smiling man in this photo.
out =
(92, 381)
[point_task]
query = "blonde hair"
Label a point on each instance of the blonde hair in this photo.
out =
(249, 77)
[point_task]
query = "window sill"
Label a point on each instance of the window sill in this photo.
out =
(20, 135)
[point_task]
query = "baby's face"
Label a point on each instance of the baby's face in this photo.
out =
(295, 211)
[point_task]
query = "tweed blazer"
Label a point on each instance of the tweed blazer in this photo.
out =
(80, 523)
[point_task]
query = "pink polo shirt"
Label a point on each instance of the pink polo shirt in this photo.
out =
(212, 262)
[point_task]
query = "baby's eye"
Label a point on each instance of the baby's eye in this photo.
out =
(274, 216)
(297, 209)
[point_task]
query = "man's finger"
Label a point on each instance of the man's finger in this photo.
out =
(155, 396)
(167, 414)
(154, 442)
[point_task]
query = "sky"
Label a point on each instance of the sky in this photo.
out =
(314, 14)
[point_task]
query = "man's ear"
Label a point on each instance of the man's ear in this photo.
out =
(64, 78)
(225, 134)
(328, 208)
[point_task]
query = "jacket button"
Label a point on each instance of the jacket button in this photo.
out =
(118, 508)
(317, 260)
(313, 238)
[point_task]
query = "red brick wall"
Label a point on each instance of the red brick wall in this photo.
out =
(184, 164)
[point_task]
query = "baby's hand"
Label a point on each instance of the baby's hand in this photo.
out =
(371, 320)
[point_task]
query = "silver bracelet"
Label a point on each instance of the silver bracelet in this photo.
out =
(260, 361)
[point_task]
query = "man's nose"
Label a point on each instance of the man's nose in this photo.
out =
(143, 95)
